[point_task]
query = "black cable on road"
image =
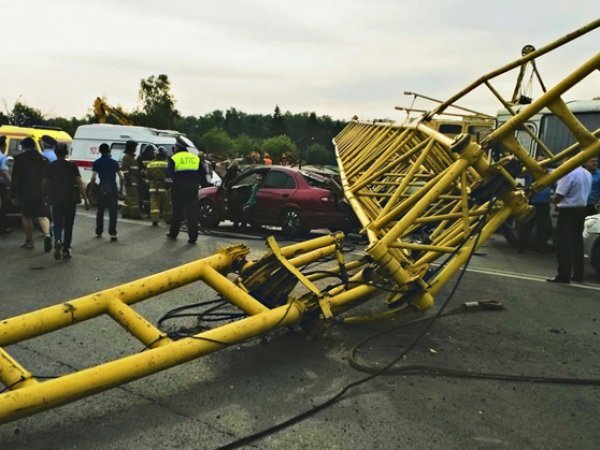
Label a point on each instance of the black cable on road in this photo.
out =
(321, 406)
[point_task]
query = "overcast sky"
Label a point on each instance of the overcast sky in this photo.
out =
(334, 57)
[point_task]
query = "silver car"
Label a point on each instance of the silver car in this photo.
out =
(591, 241)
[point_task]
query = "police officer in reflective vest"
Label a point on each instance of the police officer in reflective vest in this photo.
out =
(185, 171)
(160, 201)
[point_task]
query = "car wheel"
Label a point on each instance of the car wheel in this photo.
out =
(291, 222)
(207, 214)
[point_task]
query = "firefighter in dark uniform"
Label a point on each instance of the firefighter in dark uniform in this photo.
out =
(160, 201)
(185, 171)
(129, 168)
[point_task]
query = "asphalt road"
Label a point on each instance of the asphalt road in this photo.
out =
(545, 329)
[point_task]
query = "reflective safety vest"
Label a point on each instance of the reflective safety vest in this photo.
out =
(186, 161)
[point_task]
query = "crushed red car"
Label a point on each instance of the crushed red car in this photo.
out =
(296, 200)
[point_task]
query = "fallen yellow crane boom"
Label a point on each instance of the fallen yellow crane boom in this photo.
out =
(419, 196)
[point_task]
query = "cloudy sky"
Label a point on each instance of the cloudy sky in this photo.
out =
(334, 57)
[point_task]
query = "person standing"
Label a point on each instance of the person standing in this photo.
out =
(26, 189)
(107, 170)
(570, 198)
(542, 220)
(206, 180)
(147, 155)
(267, 161)
(129, 166)
(63, 188)
(156, 172)
(593, 200)
(233, 170)
(185, 171)
(4, 187)
(48, 144)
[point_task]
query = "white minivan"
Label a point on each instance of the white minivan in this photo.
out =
(87, 140)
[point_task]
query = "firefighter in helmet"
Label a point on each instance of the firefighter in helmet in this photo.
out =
(160, 201)
(131, 209)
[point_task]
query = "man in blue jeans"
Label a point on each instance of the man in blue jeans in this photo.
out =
(107, 170)
(63, 188)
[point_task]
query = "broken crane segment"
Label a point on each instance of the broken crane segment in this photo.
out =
(419, 195)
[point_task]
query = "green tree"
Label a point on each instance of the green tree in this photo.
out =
(244, 144)
(216, 141)
(157, 102)
(26, 116)
(278, 145)
(277, 123)
(319, 154)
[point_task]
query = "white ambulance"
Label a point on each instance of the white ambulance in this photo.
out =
(87, 140)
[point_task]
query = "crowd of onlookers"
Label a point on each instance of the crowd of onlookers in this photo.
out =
(46, 188)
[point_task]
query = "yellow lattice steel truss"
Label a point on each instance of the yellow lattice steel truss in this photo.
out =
(421, 197)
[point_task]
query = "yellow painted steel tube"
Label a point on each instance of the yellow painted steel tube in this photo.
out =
(449, 177)
(232, 293)
(56, 392)
(52, 318)
(351, 197)
(579, 159)
(509, 127)
(508, 67)
(137, 325)
(13, 374)
(423, 247)
(463, 255)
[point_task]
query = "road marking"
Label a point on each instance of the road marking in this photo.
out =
(536, 278)
(500, 273)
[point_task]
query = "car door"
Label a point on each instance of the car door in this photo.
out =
(276, 191)
(238, 194)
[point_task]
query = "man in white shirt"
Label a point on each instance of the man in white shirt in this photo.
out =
(48, 142)
(570, 198)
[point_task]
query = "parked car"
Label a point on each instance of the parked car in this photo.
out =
(591, 241)
(296, 200)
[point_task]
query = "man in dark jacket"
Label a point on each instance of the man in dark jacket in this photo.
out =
(63, 187)
(26, 190)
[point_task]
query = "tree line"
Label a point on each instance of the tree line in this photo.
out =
(305, 135)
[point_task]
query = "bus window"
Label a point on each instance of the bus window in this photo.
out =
(557, 136)
(450, 128)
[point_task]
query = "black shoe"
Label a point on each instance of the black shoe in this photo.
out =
(154, 224)
(170, 236)
(557, 280)
(114, 238)
(577, 279)
(191, 241)
(57, 250)
(98, 235)
(47, 244)
(67, 253)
